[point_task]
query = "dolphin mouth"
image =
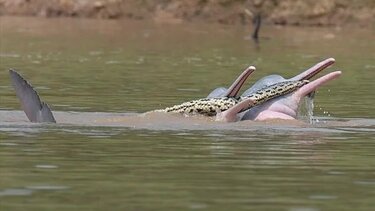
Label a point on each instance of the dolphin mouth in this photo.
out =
(315, 84)
(314, 70)
(237, 84)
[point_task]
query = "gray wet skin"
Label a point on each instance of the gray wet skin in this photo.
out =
(283, 107)
(35, 109)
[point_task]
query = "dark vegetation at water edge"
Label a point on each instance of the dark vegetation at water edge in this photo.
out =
(292, 12)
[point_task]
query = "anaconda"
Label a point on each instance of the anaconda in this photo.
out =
(211, 106)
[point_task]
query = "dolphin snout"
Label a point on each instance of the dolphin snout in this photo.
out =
(314, 70)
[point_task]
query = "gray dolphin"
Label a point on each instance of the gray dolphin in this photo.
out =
(283, 107)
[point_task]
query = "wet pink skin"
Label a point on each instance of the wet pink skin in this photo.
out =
(285, 107)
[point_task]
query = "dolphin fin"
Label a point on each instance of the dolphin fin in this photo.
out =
(34, 108)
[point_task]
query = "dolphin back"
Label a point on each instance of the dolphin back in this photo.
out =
(34, 108)
(218, 92)
(264, 82)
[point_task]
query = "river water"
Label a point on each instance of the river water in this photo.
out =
(97, 74)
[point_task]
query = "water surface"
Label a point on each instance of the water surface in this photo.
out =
(99, 73)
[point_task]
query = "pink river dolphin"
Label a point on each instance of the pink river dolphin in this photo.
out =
(283, 107)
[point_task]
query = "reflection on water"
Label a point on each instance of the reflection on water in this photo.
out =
(99, 73)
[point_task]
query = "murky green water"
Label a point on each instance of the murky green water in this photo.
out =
(115, 66)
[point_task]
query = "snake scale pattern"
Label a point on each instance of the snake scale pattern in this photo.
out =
(211, 106)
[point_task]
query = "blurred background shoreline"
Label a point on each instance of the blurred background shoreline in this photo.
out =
(286, 12)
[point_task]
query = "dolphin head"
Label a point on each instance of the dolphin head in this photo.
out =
(285, 107)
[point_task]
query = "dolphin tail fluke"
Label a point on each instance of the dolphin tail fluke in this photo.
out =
(35, 109)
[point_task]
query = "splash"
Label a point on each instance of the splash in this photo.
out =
(306, 109)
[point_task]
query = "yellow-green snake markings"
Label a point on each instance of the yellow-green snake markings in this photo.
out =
(211, 106)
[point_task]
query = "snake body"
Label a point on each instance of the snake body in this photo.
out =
(211, 106)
